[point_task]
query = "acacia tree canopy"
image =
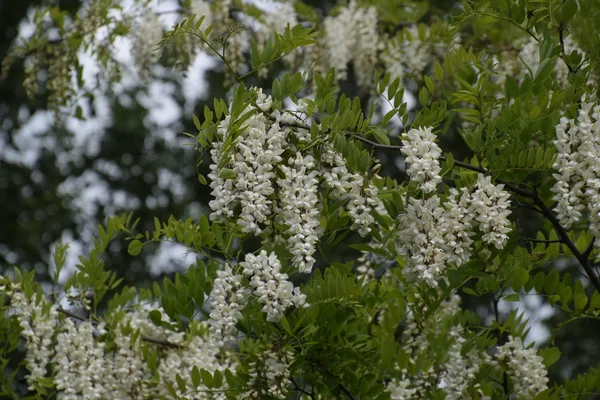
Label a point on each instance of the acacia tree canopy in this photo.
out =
(389, 183)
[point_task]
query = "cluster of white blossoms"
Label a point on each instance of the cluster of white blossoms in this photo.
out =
(491, 203)
(228, 299)
(38, 325)
(525, 368)
(256, 151)
(200, 351)
(578, 168)
(80, 362)
(361, 193)
(432, 235)
(270, 286)
(409, 53)
(352, 35)
(422, 155)
(148, 34)
(456, 375)
(269, 374)
(460, 369)
(108, 359)
(253, 183)
(299, 209)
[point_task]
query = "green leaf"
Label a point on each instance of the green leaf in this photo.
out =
(156, 317)
(512, 297)
(580, 301)
(438, 71)
(196, 380)
(381, 136)
(135, 247)
(197, 123)
(180, 383)
(595, 302)
(207, 378)
(568, 10)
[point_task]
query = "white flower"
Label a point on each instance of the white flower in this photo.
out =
(79, 362)
(525, 368)
(228, 299)
(363, 195)
(272, 371)
(148, 34)
(38, 322)
(490, 204)
(401, 389)
(433, 236)
(460, 369)
(339, 40)
(422, 155)
(578, 166)
(366, 47)
(257, 150)
(270, 285)
(570, 185)
(299, 209)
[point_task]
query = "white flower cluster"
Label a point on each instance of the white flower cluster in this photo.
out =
(257, 150)
(518, 64)
(148, 34)
(80, 362)
(490, 204)
(352, 36)
(401, 389)
(228, 299)
(363, 200)
(432, 237)
(361, 193)
(460, 370)
(578, 166)
(422, 155)
(456, 375)
(299, 209)
(270, 286)
(202, 351)
(38, 324)
(271, 370)
(256, 180)
(525, 368)
(410, 53)
(83, 368)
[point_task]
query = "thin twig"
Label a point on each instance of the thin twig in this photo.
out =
(544, 241)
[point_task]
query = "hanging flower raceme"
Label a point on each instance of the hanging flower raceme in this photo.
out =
(270, 285)
(490, 204)
(299, 209)
(578, 166)
(252, 160)
(228, 299)
(38, 322)
(422, 156)
(433, 235)
(525, 368)
(264, 175)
